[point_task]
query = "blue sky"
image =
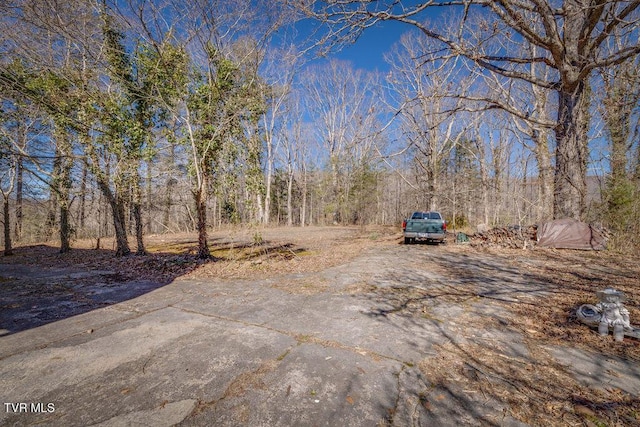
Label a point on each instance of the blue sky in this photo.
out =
(368, 51)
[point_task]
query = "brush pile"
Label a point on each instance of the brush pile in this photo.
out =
(512, 237)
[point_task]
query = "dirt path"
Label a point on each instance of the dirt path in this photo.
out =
(316, 327)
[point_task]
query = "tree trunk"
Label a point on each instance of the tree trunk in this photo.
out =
(170, 183)
(19, 186)
(65, 226)
(137, 213)
(545, 175)
(303, 208)
(148, 198)
(260, 206)
(484, 181)
(432, 198)
(168, 201)
(335, 190)
(618, 155)
(119, 218)
(289, 199)
(200, 195)
(267, 196)
(61, 185)
(83, 196)
(540, 136)
(268, 180)
(129, 210)
(52, 206)
(7, 227)
(571, 155)
(432, 169)
(120, 226)
(64, 190)
(107, 178)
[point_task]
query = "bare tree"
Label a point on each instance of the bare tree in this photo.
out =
(620, 93)
(282, 68)
(430, 116)
(18, 125)
(621, 86)
(540, 135)
(213, 99)
(296, 153)
(291, 151)
(44, 53)
(570, 36)
(533, 126)
(342, 101)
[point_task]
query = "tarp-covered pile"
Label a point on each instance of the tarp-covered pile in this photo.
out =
(570, 234)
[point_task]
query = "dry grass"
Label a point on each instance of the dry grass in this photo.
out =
(236, 253)
(535, 388)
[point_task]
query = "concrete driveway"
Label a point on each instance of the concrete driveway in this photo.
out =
(343, 346)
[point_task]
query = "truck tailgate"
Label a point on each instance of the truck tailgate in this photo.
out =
(424, 226)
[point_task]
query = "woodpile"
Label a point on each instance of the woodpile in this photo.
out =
(513, 237)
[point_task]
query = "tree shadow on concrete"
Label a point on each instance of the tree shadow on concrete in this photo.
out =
(38, 285)
(495, 319)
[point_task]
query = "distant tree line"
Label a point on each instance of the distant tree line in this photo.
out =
(155, 116)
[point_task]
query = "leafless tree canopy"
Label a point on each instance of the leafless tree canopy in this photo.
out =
(123, 118)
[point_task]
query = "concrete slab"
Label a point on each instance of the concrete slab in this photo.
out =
(282, 351)
(599, 371)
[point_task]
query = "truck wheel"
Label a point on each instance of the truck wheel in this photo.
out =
(407, 241)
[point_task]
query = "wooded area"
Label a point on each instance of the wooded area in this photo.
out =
(131, 117)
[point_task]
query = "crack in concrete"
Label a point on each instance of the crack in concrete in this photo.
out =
(301, 338)
(239, 385)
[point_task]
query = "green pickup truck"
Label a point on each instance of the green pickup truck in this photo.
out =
(428, 226)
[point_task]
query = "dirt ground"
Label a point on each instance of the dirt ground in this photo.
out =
(512, 339)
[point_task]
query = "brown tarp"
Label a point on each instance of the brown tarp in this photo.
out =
(570, 234)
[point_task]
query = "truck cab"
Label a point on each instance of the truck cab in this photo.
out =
(429, 226)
